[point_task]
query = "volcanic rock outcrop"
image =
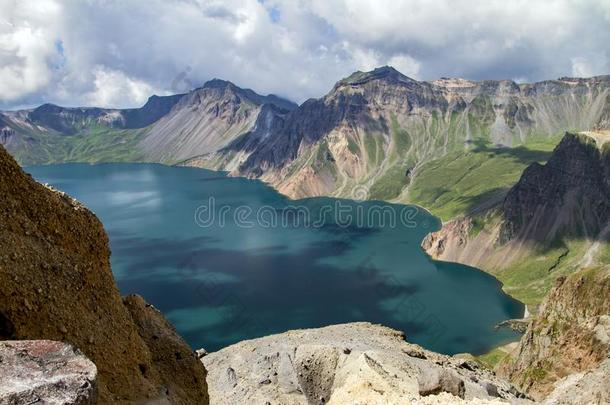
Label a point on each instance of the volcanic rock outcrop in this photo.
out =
(569, 196)
(356, 363)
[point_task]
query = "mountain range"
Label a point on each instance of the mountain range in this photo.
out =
(377, 130)
(454, 146)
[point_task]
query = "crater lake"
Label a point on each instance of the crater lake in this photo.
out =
(227, 259)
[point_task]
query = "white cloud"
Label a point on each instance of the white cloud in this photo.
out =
(113, 88)
(111, 52)
(406, 65)
(27, 46)
(589, 66)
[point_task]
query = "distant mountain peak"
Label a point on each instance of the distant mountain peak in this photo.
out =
(387, 73)
(249, 94)
(386, 70)
(48, 107)
(218, 83)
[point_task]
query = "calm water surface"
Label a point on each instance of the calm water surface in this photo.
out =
(226, 277)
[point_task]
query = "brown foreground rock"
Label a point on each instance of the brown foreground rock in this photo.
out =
(56, 283)
(355, 363)
(47, 372)
(171, 355)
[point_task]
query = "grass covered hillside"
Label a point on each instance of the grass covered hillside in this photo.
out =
(93, 145)
(464, 182)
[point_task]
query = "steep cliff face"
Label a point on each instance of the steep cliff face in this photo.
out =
(56, 283)
(568, 196)
(374, 128)
(230, 157)
(551, 222)
(571, 334)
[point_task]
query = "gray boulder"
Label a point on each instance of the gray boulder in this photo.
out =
(45, 372)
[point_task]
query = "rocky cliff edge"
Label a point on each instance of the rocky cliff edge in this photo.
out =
(56, 284)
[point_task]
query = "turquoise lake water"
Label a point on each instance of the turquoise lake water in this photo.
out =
(227, 259)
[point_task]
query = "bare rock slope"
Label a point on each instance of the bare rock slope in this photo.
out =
(56, 283)
(357, 363)
(205, 120)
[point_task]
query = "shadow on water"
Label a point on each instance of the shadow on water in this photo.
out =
(252, 285)
(270, 290)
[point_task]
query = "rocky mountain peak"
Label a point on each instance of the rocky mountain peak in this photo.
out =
(384, 89)
(571, 193)
(219, 84)
(221, 88)
(227, 88)
(218, 113)
(215, 89)
(384, 73)
(48, 108)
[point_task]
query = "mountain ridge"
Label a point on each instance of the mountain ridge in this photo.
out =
(380, 131)
(54, 134)
(400, 113)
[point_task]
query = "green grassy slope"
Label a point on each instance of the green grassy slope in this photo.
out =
(493, 357)
(93, 144)
(463, 182)
(530, 278)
